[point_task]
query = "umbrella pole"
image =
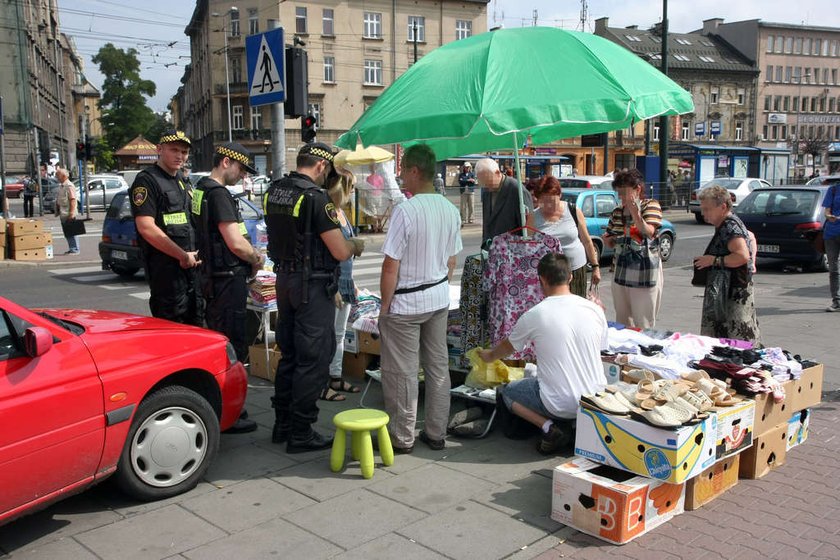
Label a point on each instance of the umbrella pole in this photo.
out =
(519, 186)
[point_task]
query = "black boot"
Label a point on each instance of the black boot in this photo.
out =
(313, 441)
(282, 426)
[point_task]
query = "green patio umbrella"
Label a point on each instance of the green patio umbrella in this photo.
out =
(493, 91)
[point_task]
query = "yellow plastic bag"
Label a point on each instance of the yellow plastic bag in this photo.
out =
(484, 376)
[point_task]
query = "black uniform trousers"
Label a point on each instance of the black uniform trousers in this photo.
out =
(174, 291)
(306, 337)
(225, 312)
(28, 205)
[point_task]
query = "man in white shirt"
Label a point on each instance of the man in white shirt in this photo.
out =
(568, 333)
(423, 240)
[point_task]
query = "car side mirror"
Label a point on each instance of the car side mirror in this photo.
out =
(37, 341)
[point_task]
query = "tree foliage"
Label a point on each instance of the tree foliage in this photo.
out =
(123, 104)
(160, 125)
(814, 146)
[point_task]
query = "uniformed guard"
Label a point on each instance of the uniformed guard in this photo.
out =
(306, 244)
(227, 257)
(160, 202)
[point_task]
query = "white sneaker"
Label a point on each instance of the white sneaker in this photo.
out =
(833, 307)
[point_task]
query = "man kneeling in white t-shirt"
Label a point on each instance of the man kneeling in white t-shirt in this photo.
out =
(568, 333)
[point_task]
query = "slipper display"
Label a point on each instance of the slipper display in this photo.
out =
(341, 385)
(329, 395)
(605, 402)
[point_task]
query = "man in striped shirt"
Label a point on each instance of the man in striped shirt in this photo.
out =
(423, 240)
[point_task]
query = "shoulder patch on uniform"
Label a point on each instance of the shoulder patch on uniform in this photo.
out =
(138, 197)
(332, 213)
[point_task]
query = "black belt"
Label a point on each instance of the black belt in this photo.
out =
(421, 287)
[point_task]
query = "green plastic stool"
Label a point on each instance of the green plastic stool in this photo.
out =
(359, 422)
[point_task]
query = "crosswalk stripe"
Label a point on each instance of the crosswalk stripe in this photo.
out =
(94, 278)
(76, 270)
(142, 295)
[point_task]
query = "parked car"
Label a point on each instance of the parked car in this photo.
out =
(13, 186)
(784, 221)
(88, 394)
(102, 188)
(49, 190)
(738, 191)
(120, 249)
(587, 182)
(129, 175)
(597, 205)
(824, 180)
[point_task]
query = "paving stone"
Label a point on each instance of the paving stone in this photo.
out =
(247, 461)
(413, 488)
(273, 539)
(156, 534)
(535, 549)
(384, 547)
(527, 499)
(128, 507)
(61, 548)
(827, 550)
(520, 458)
(472, 530)
(354, 518)
(240, 506)
(315, 479)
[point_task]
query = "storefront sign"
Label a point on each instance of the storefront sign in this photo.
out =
(546, 151)
(777, 118)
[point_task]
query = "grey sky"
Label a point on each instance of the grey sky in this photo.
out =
(156, 27)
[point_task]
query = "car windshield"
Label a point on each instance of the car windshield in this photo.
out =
(730, 184)
(119, 207)
(791, 202)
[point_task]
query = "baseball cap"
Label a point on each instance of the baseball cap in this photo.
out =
(174, 136)
(318, 149)
(238, 152)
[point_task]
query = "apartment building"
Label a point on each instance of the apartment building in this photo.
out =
(355, 50)
(799, 88)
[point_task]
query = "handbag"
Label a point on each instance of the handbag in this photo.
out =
(700, 276)
(72, 228)
(717, 290)
(593, 294)
(637, 264)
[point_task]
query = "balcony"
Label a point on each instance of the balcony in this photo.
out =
(243, 134)
(235, 88)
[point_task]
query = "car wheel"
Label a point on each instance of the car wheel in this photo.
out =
(698, 217)
(172, 441)
(666, 245)
(127, 271)
(820, 265)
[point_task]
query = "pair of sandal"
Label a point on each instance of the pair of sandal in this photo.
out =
(718, 391)
(331, 391)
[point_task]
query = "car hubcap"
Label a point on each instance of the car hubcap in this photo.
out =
(665, 247)
(169, 446)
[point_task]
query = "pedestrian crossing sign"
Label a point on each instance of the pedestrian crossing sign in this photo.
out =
(266, 72)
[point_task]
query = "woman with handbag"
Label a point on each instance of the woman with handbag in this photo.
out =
(565, 222)
(633, 230)
(728, 301)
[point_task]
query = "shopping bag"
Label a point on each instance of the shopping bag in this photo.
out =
(717, 290)
(637, 264)
(593, 294)
(72, 228)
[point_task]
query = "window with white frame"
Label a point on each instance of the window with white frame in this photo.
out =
(373, 72)
(739, 130)
(779, 71)
(806, 46)
(328, 22)
(714, 94)
(315, 111)
(373, 26)
(656, 133)
(779, 44)
(788, 45)
(463, 29)
(253, 21)
(300, 20)
(238, 120)
(256, 118)
(797, 46)
(686, 128)
(420, 23)
(742, 96)
(234, 24)
(770, 39)
(788, 73)
(768, 75)
(329, 69)
(817, 47)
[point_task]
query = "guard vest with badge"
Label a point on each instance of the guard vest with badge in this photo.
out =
(289, 205)
(217, 259)
(173, 204)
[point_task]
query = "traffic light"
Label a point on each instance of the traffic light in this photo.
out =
(308, 128)
(297, 79)
(80, 151)
(88, 150)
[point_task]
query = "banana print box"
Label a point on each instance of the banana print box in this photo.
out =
(612, 504)
(797, 431)
(668, 455)
(734, 428)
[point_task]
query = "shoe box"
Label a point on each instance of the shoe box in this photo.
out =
(768, 413)
(263, 361)
(354, 365)
(735, 428)
(669, 455)
(369, 343)
(767, 453)
(351, 340)
(711, 483)
(609, 503)
(808, 388)
(26, 239)
(797, 431)
(23, 226)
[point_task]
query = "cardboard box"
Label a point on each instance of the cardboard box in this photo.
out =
(612, 372)
(351, 340)
(29, 255)
(669, 455)
(768, 413)
(48, 238)
(734, 428)
(28, 241)
(711, 483)
(260, 366)
(354, 365)
(23, 226)
(767, 453)
(797, 431)
(808, 392)
(2, 226)
(369, 343)
(609, 503)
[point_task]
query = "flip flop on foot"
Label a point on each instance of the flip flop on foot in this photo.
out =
(341, 385)
(329, 395)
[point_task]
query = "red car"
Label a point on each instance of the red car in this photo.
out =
(13, 187)
(87, 394)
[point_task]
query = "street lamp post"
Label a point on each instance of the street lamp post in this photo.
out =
(225, 31)
(798, 135)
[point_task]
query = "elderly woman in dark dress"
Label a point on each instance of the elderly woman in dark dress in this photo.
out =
(731, 249)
